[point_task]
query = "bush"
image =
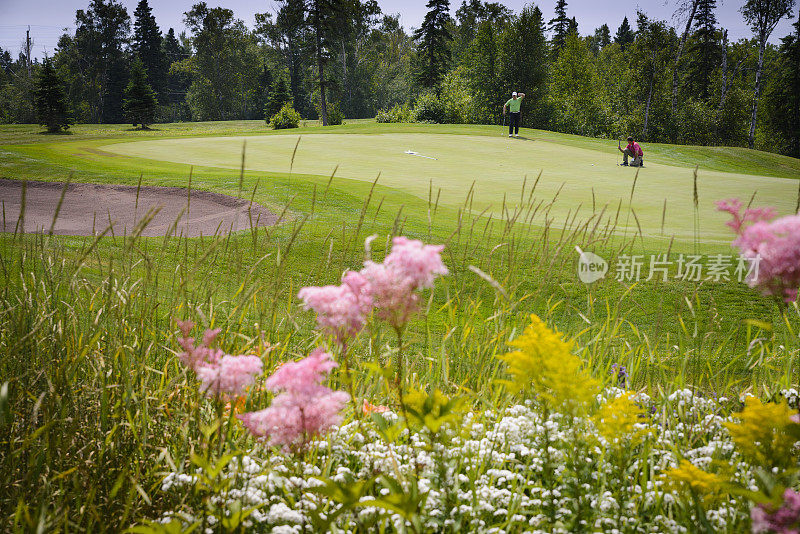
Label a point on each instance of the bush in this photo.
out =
(397, 113)
(429, 108)
(287, 117)
(335, 115)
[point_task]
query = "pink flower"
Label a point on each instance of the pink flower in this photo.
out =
(784, 520)
(230, 377)
(751, 215)
(303, 409)
(292, 419)
(775, 246)
(408, 267)
(341, 310)
(393, 294)
(419, 264)
(303, 377)
(194, 356)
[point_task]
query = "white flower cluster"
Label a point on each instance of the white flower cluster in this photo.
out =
(512, 471)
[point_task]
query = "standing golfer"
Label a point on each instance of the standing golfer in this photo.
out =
(515, 104)
(634, 150)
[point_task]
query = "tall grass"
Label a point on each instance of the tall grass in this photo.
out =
(93, 408)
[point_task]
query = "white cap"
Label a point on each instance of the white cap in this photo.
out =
(514, 93)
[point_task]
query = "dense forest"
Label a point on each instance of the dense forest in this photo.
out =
(331, 59)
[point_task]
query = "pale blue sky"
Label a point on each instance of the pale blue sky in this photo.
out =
(47, 18)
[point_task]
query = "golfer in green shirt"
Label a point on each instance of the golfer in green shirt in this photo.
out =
(515, 105)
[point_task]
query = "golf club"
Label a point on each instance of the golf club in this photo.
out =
(503, 133)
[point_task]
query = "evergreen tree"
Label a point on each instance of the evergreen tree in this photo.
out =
(474, 12)
(140, 99)
(100, 35)
(483, 68)
(264, 88)
(147, 44)
(573, 25)
(575, 91)
(51, 101)
(704, 50)
(560, 26)
(785, 97)
(763, 16)
(624, 36)
(524, 64)
(278, 96)
(325, 19)
(176, 82)
(600, 39)
(224, 67)
(433, 50)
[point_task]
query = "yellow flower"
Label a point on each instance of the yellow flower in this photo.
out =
(765, 434)
(543, 365)
(688, 478)
(616, 418)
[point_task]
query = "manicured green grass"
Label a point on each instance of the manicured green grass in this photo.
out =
(581, 174)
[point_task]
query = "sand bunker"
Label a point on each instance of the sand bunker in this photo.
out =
(88, 209)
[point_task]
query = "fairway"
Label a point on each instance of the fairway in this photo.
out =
(588, 179)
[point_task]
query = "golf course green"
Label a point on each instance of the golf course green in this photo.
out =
(586, 179)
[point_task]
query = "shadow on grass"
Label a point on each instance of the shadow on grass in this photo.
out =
(59, 132)
(145, 129)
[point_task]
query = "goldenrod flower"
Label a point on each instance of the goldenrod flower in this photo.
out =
(543, 365)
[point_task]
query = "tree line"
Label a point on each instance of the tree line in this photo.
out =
(328, 59)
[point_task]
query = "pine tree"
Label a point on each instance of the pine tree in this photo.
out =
(762, 16)
(51, 100)
(483, 68)
(704, 50)
(624, 35)
(524, 64)
(264, 88)
(603, 34)
(573, 25)
(560, 26)
(140, 99)
(785, 97)
(433, 50)
(278, 96)
(147, 44)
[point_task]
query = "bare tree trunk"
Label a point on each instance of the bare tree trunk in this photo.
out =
(724, 88)
(757, 91)
(688, 27)
(323, 104)
(647, 108)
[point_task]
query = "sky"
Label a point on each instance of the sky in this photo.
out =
(48, 18)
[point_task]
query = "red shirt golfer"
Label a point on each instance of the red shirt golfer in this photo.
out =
(634, 150)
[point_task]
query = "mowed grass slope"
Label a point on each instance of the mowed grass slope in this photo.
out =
(581, 174)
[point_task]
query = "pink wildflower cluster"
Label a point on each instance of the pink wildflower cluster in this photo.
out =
(220, 374)
(341, 310)
(303, 408)
(784, 520)
(390, 288)
(776, 244)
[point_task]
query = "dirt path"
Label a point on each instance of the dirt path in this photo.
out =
(88, 209)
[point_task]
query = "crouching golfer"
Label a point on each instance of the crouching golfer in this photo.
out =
(515, 105)
(633, 149)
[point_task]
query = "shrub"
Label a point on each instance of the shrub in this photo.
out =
(335, 115)
(397, 113)
(287, 117)
(429, 108)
